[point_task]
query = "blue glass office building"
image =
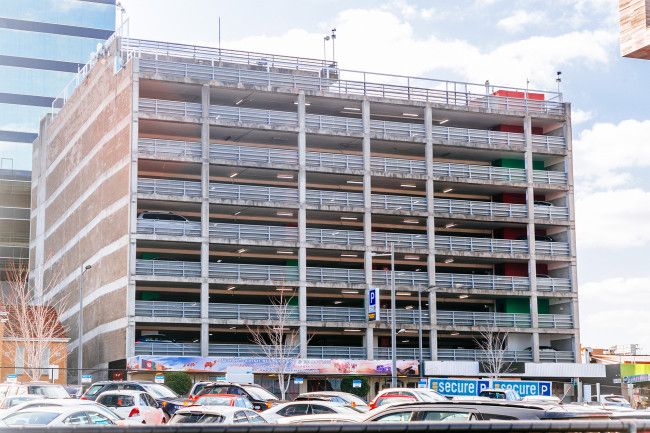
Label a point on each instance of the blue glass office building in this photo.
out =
(43, 43)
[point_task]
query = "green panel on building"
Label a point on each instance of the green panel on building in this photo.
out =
(517, 163)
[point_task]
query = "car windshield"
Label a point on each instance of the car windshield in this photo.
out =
(49, 391)
(13, 401)
(116, 400)
(214, 401)
(93, 390)
(426, 395)
(358, 401)
(159, 391)
(30, 418)
(198, 388)
(493, 394)
(616, 399)
(196, 418)
(390, 400)
(259, 393)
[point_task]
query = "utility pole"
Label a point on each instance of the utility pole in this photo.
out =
(393, 333)
(333, 50)
(80, 323)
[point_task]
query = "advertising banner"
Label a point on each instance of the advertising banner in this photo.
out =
(214, 364)
(472, 387)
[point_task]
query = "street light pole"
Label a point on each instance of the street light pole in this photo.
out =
(393, 334)
(80, 324)
(421, 366)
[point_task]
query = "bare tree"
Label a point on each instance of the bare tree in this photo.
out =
(279, 342)
(32, 321)
(493, 343)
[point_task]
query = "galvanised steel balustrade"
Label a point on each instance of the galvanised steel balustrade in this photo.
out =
(480, 208)
(467, 318)
(563, 321)
(347, 125)
(402, 353)
(233, 67)
(336, 352)
(547, 355)
(225, 191)
(176, 268)
(267, 312)
(481, 355)
(329, 237)
(168, 349)
(14, 213)
(342, 161)
(181, 188)
(334, 198)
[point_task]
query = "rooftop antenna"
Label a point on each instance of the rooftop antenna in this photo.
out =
(333, 39)
(558, 80)
(219, 35)
(325, 39)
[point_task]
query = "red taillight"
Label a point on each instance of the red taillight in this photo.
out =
(82, 398)
(134, 412)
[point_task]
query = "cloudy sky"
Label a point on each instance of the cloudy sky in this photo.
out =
(506, 42)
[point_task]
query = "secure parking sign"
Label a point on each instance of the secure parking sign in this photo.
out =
(373, 304)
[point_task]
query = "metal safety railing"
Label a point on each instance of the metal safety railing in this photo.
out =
(382, 128)
(186, 310)
(466, 318)
(481, 355)
(224, 191)
(246, 350)
(342, 161)
(480, 208)
(334, 198)
(331, 237)
(336, 352)
(168, 349)
(401, 353)
(14, 213)
(251, 312)
(547, 355)
(561, 321)
(240, 67)
(275, 273)
(180, 188)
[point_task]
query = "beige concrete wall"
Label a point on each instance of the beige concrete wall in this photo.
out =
(635, 28)
(80, 211)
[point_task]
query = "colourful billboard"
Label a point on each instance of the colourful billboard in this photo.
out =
(214, 364)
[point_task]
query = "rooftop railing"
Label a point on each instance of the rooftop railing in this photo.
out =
(235, 67)
(481, 355)
(465, 318)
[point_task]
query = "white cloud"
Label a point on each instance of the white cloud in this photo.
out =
(614, 311)
(521, 20)
(580, 116)
(604, 151)
(613, 219)
(379, 40)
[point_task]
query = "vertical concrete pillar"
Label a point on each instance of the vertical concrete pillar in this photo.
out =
(573, 271)
(532, 261)
(431, 231)
(367, 219)
(302, 223)
(205, 219)
(133, 208)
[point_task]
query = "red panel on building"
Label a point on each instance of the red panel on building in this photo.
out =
(518, 128)
(516, 94)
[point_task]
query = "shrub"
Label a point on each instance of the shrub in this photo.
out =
(179, 381)
(346, 386)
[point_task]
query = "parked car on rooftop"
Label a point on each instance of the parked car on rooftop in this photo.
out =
(500, 394)
(167, 398)
(307, 407)
(14, 400)
(42, 389)
(57, 416)
(419, 394)
(64, 403)
(223, 400)
(260, 397)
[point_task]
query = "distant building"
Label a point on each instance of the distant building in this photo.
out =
(15, 193)
(635, 28)
(43, 44)
(13, 358)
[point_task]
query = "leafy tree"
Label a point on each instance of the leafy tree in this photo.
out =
(179, 381)
(346, 386)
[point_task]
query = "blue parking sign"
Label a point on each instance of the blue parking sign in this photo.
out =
(373, 304)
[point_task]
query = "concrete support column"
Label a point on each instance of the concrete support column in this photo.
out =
(573, 272)
(133, 209)
(532, 261)
(367, 219)
(431, 231)
(205, 218)
(302, 224)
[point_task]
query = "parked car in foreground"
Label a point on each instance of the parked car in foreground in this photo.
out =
(307, 407)
(459, 411)
(197, 387)
(386, 399)
(500, 394)
(57, 416)
(14, 400)
(137, 406)
(418, 394)
(65, 403)
(42, 389)
(260, 397)
(223, 400)
(167, 398)
(343, 398)
(216, 415)
(328, 418)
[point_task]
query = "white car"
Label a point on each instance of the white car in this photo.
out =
(216, 415)
(330, 418)
(136, 406)
(57, 416)
(14, 400)
(63, 403)
(307, 407)
(418, 394)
